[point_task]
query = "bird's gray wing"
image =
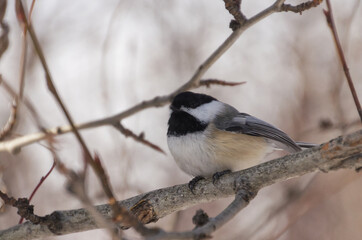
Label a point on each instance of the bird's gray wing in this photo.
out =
(247, 124)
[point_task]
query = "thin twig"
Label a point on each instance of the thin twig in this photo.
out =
(138, 138)
(24, 101)
(209, 82)
(331, 24)
(42, 179)
(4, 39)
(24, 47)
(10, 124)
(4, 43)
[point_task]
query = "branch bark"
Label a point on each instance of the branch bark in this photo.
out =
(344, 152)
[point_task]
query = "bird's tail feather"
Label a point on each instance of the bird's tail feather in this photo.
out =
(306, 145)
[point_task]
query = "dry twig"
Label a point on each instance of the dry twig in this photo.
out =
(10, 124)
(4, 43)
(208, 82)
(4, 39)
(330, 20)
(42, 179)
(138, 138)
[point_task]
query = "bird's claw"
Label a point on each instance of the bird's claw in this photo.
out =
(218, 175)
(193, 182)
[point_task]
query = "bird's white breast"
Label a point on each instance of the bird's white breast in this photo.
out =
(211, 151)
(192, 154)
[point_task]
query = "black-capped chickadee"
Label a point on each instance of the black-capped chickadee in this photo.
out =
(209, 138)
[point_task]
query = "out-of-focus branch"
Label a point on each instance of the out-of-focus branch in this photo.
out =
(4, 39)
(15, 144)
(340, 153)
(137, 138)
(208, 82)
(76, 187)
(4, 43)
(20, 13)
(24, 101)
(42, 179)
(330, 21)
(5, 131)
(10, 124)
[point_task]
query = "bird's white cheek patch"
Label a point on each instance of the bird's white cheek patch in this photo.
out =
(206, 112)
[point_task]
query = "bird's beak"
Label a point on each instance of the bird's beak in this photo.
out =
(174, 109)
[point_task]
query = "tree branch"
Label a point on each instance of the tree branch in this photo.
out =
(340, 153)
(332, 26)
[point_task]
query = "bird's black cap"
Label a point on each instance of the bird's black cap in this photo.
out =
(190, 100)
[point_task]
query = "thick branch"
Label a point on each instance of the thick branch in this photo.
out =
(342, 152)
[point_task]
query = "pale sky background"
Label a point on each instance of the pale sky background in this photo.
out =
(106, 56)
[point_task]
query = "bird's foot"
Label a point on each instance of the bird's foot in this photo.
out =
(193, 182)
(218, 175)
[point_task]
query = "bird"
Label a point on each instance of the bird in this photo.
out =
(209, 138)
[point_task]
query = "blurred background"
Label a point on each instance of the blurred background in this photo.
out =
(106, 56)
